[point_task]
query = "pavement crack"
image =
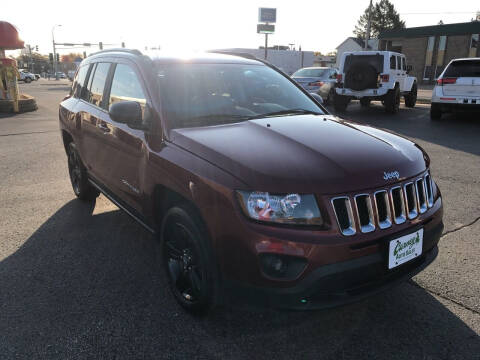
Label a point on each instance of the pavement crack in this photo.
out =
(413, 283)
(461, 227)
(29, 133)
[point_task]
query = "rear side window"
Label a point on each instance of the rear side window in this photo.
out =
(463, 68)
(399, 63)
(98, 83)
(392, 62)
(404, 64)
(79, 82)
(126, 86)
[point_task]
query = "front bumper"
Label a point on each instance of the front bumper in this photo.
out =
(343, 282)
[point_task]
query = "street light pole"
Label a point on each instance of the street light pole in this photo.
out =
(54, 53)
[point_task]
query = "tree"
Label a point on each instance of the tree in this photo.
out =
(68, 58)
(384, 17)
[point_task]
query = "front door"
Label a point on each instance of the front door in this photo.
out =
(125, 158)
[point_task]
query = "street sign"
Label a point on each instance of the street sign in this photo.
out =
(267, 15)
(265, 29)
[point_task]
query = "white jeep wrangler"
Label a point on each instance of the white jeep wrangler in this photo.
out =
(375, 75)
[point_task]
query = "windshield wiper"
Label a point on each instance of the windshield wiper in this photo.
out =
(285, 112)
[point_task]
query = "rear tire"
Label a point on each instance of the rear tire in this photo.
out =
(365, 102)
(28, 80)
(330, 96)
(411, 97)
(188, 260)
(392, 100)
(78, 176)
(435, 112)
(340, 102)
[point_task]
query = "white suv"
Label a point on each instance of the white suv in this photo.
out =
(458, 87)
(375, 75)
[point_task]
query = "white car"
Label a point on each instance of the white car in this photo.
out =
(458, 87)
(26, 76)
(375, 75)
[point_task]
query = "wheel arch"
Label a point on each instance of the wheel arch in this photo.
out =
(67, 139)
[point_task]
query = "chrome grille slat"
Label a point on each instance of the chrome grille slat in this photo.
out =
(394, 205)
(429, 190)
(382, 202)
(410, 200)
(344, 215)
(398, 205)
(421, 196)
(363, 205)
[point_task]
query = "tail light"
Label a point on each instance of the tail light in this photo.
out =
(385, 77)
(316, 83)
(339, 78)
(446, 81)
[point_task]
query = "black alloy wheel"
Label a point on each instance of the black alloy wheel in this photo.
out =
(187, 261)
(78, 175)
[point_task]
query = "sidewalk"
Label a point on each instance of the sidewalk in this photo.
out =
(424, 95)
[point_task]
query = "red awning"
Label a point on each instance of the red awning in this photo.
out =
(9, 39)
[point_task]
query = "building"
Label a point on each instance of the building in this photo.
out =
(354, 44)
(430, 48)
(288, 61)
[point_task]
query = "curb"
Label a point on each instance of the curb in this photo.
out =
(26, 103)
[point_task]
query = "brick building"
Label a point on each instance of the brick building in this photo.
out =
(430, 48)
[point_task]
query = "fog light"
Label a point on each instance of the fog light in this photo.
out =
(282, 266)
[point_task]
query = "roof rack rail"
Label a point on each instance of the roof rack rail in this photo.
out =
(129, 51)
(240, 54)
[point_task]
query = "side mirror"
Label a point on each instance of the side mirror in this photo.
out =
(317, 97)
(127, 112)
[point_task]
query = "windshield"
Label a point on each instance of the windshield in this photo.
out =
(196, 95)
(311, 73)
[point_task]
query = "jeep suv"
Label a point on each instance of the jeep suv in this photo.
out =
(254, 191)
(375, 75)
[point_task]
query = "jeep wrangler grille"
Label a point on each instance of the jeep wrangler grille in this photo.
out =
(365, 212)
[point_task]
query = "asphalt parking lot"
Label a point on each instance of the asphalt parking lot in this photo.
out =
(83, 281)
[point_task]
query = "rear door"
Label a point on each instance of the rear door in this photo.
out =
(463, 78)
(92, 112)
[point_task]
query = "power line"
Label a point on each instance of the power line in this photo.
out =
(439, 13)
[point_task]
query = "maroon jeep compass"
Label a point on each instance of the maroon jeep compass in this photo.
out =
(255, 192)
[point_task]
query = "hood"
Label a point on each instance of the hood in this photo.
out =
(304, 153)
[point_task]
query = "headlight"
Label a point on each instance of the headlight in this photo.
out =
(280, 208)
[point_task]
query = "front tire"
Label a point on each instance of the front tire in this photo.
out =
(188, 260)
(28, 80)
(78, 176)
(392, 100)
(435, 112)
(411, 97)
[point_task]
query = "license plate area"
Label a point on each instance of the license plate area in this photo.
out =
(405, 248)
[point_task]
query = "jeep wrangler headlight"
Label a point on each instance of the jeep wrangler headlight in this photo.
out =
(280, 208)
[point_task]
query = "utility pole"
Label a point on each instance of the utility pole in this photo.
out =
(54, 53)
(266, 45)
(369, 24)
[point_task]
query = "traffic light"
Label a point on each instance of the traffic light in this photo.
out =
(84, 54)
(50, 57)
(58, 57)
(123, 44)
(36, 48)
(100, 45)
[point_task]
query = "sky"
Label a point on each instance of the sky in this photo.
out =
(209, 24)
